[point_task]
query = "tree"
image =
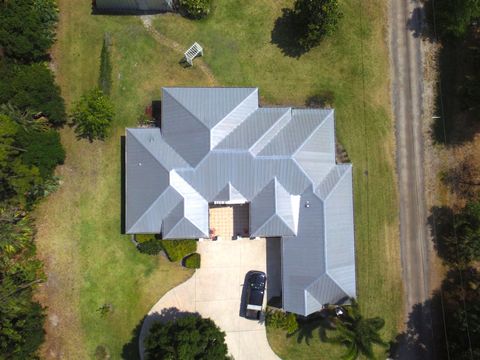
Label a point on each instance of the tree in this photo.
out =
(32, 87)
(315, 19)
(357, 333)
(17, 180)
(190, 337)
(454, 17)
(465, 242)
(21, 318)
(27, 28)
(92, 115)
(464, 178)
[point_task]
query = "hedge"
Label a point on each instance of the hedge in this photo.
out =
(281, 320)
(150, 247)
(192, 261)
(176, 250)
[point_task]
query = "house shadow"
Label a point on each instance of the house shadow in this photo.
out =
(122, 185)
(274, 270)
(286, 34)
(132, 349)
(123, 12)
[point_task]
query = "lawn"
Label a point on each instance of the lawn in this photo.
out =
(354, 67)
(90, 264)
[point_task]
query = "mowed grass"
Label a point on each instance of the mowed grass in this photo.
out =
(88, 262)
(354, 66)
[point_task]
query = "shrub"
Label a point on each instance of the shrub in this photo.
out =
(176, 250)
(281, 320)
(93, 115)
(195, 9)
(192, 261)
(141, 238)
(150, 247)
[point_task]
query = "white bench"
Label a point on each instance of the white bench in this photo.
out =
(194, 51)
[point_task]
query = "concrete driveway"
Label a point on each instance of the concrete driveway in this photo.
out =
(215, 291)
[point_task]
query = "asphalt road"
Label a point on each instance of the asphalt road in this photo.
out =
(406, 18)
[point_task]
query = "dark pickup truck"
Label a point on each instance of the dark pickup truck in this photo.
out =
(256, 281)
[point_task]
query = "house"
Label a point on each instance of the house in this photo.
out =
(134, 5)
(217, 146)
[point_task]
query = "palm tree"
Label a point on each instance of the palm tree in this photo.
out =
(357, 333)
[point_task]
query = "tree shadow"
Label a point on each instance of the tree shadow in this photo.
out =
(416, 341)
(132, 349)
(436, 328)
(317, 323)
(286, 34)
(454, 123)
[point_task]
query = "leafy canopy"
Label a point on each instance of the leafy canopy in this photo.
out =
(27, 28)
(32, 87)
(21, 318)
(190, 337)
(358, 334)
(195, 9)
(93, 115)
(315, 19)
(454, 17)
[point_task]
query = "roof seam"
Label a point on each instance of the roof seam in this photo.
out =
(337, 183)
(313, 132)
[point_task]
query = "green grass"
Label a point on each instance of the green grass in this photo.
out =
(90, 264)
(354, 66)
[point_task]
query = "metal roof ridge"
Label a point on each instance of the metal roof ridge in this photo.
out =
(347, 167)
(321, 124)
(231, 111)
(169, 187)
(264, 135)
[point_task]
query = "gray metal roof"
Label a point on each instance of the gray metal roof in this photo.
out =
(217, 145)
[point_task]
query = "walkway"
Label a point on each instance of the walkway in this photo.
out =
(215, 291)
(172, 44)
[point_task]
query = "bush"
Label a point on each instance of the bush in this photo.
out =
(150, 247)
(176, 250)
(192, 261)
(141, 238)
(281, 320)
(195, 9)
(93, 115)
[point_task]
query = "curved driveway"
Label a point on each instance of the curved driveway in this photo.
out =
(215, 291)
